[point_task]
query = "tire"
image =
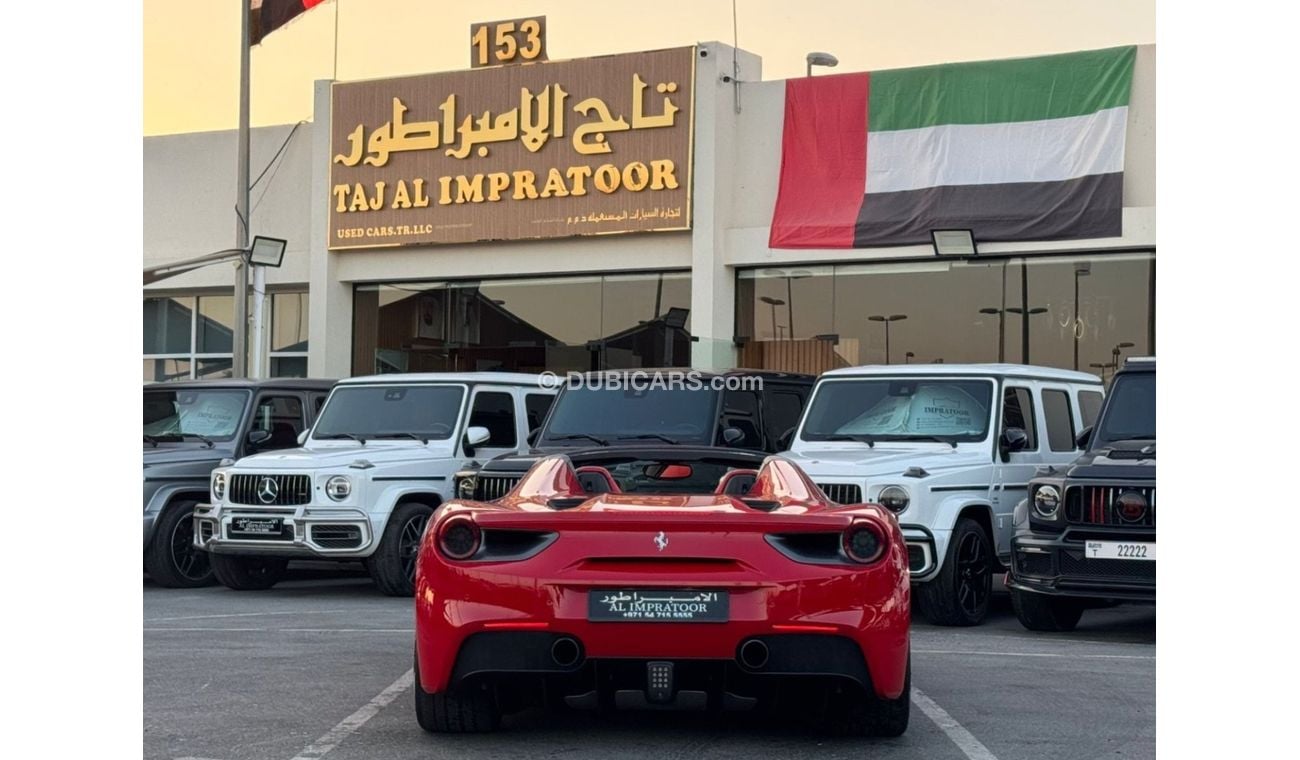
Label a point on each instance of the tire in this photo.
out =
(1040, 612)
(442, 713)
(171, 560)
(870, 715)
(889, 716)
(959, 595)
(248, 573)
(392, 566)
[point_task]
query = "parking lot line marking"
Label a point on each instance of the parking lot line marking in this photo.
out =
(356, 720)
(1040, 654)
(239, 614)
(965, 740)
(169, 629)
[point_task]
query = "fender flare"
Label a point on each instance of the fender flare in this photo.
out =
(169, 491)
(954, 507)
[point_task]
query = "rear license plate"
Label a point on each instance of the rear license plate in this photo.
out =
(1119, 550)
(658, 606)
(256, 526)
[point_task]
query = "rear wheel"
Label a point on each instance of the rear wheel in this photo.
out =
(1039, 612)
(959, 595)
(889, 716)
(443, 713)
(172, 561)
(392, 566)
(248, 573)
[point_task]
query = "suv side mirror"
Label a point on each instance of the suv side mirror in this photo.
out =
(302, 437)
(1014, 439)
(783, 443)
(1081, 438)
(474, 436)
(258, 437)
(532, 436)
(731, 435)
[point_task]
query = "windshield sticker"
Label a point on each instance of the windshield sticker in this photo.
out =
(930, 410)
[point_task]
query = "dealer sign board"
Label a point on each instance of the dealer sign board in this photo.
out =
(556, 149)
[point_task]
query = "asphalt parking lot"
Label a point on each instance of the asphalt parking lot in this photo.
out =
(320, 665)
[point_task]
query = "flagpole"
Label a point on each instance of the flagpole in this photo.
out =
(239, 363)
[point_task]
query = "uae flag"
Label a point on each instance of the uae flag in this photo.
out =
(265, 16)
(1022, 149)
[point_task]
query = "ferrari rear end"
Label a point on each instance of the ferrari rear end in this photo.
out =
(710, 601)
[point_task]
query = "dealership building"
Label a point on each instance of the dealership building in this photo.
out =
(672, 208)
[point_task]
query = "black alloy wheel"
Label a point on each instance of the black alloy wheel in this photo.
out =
(973, 581)
(408, 548)
(190, 563)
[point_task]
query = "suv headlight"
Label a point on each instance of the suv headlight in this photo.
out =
(894, 498)
(338, 487)
(1047, 500)
(465, 482)
(218, 486)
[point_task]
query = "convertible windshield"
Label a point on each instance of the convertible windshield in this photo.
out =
(390, 411)
(922, 409)
(202, 414)
(1130, 411)
(682, 415)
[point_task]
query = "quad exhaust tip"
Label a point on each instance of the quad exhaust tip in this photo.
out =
(565, 652)
(753, 654)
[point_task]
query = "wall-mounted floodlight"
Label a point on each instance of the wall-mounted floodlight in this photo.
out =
(267, 251)
(953, 242)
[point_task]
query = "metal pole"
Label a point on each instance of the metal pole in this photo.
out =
(886, 340)
(239, 363)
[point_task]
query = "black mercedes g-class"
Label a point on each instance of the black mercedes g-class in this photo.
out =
(189, 428)
(1086, 534)
(736, 408)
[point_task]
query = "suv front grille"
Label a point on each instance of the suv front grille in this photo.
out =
(1095, 505)
(492, 487)
(842, 493)
(289, 490)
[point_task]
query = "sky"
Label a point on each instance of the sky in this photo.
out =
(191, 47)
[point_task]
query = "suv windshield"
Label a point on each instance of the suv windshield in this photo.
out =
(1130, 412)
(390, 411)
(212, 414)
(922, 409)
(681, 414)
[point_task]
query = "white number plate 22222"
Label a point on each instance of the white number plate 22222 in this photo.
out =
(1119, 550)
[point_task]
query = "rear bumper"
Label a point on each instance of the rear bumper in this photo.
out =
(816, 629)
(307, 532)
(1056, 566)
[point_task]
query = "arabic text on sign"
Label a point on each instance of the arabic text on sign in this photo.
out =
(539, 117)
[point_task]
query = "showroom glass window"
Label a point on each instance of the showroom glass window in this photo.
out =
(1066, 311)
(189, 337)
(559, 324)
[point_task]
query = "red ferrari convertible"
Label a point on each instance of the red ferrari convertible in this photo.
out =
(663, 578)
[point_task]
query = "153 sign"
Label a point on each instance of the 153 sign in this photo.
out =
(521, 40)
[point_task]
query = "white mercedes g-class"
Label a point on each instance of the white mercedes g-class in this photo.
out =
(949, 449)
(371, 471)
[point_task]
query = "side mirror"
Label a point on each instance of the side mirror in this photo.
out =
(532, 436)
(302, 437)
(1081, 438)
(1014, 439)
(473, 437)
(783, 443)
(732, 435)
(258, 437)
(477, 435)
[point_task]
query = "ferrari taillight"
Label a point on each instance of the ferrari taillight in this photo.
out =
(459, 538)
(864, 542)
